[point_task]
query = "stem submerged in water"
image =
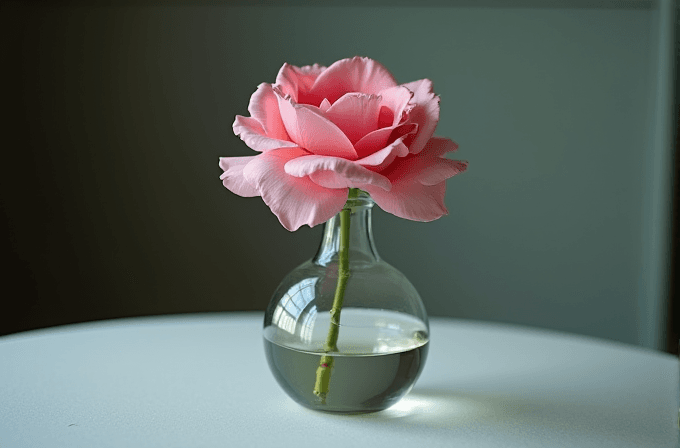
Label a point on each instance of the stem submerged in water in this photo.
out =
(323, 372)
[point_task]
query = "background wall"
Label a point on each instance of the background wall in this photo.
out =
(117, 117)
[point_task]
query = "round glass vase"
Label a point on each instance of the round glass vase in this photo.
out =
(372, 356)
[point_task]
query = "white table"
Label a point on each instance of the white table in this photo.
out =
(201, 380)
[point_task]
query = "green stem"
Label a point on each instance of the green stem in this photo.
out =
(323, 372)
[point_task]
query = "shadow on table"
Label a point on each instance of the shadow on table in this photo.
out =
(520, 416)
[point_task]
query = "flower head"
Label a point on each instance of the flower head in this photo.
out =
(322, 130)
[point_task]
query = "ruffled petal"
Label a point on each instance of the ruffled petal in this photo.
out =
(438, 168)
(312, 131)
(425, 113)
(416, 202)
(298, 81)
(233, 179)
(264, 107)
(294, 200)
(419, 182)
(333, 172)
(252, 133)
(356, 114)
(358, 74)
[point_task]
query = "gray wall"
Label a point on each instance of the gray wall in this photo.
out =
(111, 188)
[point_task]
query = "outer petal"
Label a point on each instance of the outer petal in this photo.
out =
(356, 114)
(358, 74)
(418, 183)
(252, 133)
(312, 131)
(264, 107)
(294, 200)
(233, 179)
(333, 172)
(438, 147)
(441, 169)
(413, 201)
(429, 167)
(298, 81)
(425, 113)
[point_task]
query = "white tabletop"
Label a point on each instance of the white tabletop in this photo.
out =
(203, 381)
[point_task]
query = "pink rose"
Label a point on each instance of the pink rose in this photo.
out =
(323, 130)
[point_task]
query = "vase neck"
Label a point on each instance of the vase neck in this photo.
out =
(361, 246)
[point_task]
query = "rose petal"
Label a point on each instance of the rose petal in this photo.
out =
(413, 201)
(381, 159)
(438, 147)
(416, 193)
(312, 131)
(252, 133)
(396, 99)
(264, 107)
(372, 142)
(438, 169)
(333, 172)
(358, 74)
(377, 140)
(325, 105)
(356, 114)
(297, 81)
(233, 179)
(294, 200)
(441, 169)
(425, 113)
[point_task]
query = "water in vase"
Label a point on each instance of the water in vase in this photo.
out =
(380, 356)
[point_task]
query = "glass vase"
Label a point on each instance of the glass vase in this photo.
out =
(369, 352)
